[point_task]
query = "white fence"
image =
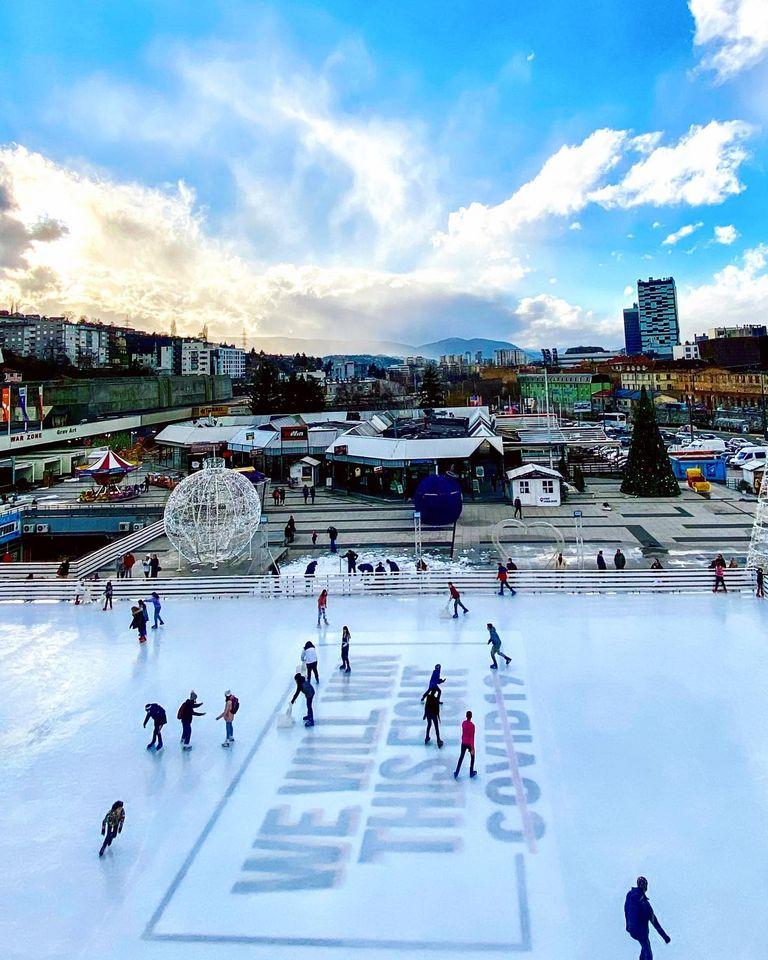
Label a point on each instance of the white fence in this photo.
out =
(402, 584)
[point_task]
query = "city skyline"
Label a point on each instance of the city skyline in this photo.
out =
(323, 171)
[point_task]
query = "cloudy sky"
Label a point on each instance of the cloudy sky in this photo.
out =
(399, 171)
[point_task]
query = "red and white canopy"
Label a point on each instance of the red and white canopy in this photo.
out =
(110, 464)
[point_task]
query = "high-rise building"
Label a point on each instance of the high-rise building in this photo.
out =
(632, 342)
(657, 308)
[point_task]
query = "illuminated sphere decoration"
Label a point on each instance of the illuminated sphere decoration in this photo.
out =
(212, 515)
(438, 499)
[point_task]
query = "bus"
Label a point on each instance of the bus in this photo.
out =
(614, 419)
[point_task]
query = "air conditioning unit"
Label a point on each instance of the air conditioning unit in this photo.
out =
(42, 528)
(138, 526)
(28, 528)
(124, 526)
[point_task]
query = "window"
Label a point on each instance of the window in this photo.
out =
(525, 486)
(548, 486)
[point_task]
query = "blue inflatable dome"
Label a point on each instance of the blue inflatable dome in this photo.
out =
(438, 499)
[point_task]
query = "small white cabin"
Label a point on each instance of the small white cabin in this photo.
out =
(536, 486)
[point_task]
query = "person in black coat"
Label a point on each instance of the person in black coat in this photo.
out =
(157, 714)
(431, 700)
(638, 913)
(601, 565)
(304, 686)
(187, 710)
(619, 560)
(139, 623)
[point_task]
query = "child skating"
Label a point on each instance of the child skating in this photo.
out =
(495, 641)
(112, 824)
(157, 607)
(231, 706)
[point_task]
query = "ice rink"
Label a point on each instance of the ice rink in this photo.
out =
(627, 736)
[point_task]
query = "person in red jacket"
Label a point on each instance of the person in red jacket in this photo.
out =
(128, 561)
(467, 746)
(501, 576)
(456, 597)
(322, 603)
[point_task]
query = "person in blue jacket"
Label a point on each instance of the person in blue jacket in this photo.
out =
(638, 913)
(157, 606)
(436, 679)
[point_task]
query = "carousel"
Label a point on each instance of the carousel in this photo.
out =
(107, 475)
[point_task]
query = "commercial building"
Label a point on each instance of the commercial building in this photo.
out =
(633, 343)
(686, 351)
(575, 356)
(507, 357)
(659, 323)
(568, 392)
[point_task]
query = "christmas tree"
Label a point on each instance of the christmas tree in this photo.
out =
(648, 472)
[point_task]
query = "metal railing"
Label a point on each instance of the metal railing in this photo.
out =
(402, 584)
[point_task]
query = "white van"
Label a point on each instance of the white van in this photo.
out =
(747, 455)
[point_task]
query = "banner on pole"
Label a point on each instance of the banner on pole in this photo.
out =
(23, 405)
(6, 404)
(40, 408)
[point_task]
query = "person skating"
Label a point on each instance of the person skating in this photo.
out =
(304, 686)
(456, 597)
(502, 577)
(638, 914)
(112, 824)
(619, 560)
(759, 583)
(138, 623)
(322, 604)
(495, 641)
(108, 591)
(431, 700)
(719, 577)
(309, 659)
(518, 509)
(467, 746)
(187, 710)
(346, 636)
(351, 557)
(156, 714)
(231, 706)
(144, 613)
(601, 564)
(154, 599)
(435, 680)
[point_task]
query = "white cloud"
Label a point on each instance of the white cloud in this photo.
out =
(736, 295)
(700, 169)
(531, 56)
(732, 34)
(628, 291)
(575, 225)
(545, 320)
(678, 235)
(726, 235)
(656, 224)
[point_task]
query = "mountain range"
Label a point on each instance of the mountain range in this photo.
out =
(384, 348)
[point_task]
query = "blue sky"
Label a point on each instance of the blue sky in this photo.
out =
(384, 171)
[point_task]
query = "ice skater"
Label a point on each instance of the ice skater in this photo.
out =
(154, 599)
(346, 636)
(187, 710)
(304, 686)
(495, 641)
(231, 706)
(309, 659)
(108, 591)
(456, 597)
(322, 604)
(112, 824)
(719, 576)
(144, 613)
(431, 700)
(638, 914)
(759, 583)
(156, 714)
(502, 576)
(467, 746)
(435, 680)
(138, 623)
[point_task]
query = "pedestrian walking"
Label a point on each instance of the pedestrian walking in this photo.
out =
(63, 569)
(154, 566)
(305, 493)
(502, 576)
(154, 599)
(156, 714)
(276, 496)
(759, 583)
(187, 710)
(346, 636)
(467, 746)
(518, 509)
(146, 565)
(112, 825)
(638, 914)
(333, 536)
(456, 597)
(309, 659)
(431, 700)
(351, 557)
(108, 591)
(314, 538)
(619, 560)
(282, 496)
(322, 604)
(312, 493)
(719, 578)
(231, 706)
(304, 686)
(495, 641)
(601, 564)
(138, 623)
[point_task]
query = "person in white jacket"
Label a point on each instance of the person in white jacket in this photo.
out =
(309, 659)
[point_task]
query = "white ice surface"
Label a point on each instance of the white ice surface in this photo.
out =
(647, 718)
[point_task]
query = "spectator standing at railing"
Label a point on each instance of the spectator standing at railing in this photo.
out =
(601, 564)
(351, 557)
(146, 566)
(120, 568)
(129, 561)
(619, 560)
(154, 566)
(719, 577)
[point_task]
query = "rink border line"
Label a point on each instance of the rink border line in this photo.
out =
(524, 944)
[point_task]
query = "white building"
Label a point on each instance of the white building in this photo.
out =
(210, 359)
(536, 486)
(686, 351)
(507, 357)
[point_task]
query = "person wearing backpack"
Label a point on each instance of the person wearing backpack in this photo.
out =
(157, 714)
(231, 706)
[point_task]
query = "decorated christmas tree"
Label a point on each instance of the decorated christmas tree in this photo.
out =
(648, 472)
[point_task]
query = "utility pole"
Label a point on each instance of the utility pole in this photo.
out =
(691, 400)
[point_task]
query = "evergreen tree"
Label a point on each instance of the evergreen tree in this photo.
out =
(578, 478)
(432, 392)
(648, 472)
(562, 467)
(265, 387)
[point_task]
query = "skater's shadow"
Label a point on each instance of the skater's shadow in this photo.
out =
(140, 663)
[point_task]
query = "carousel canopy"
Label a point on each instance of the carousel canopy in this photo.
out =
(111, 464)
